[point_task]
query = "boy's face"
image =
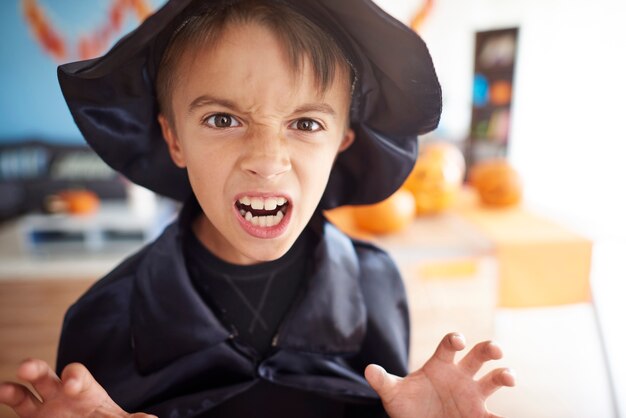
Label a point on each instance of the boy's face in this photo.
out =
(258, 142)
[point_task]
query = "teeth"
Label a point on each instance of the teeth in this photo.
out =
(270, 203)
(264, 221)
(256, 203)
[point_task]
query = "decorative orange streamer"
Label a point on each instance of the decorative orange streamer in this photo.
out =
(49, 39)
(90, 45)
(421, 15)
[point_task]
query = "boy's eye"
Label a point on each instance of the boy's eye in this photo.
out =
(308, 125)
(222, 120)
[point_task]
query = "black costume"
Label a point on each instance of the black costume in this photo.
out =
(152, 342)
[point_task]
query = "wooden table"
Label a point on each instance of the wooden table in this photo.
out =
(35, 292)
(31, 313)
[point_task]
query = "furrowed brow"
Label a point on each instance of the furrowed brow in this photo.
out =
(316, 107)
(205, 100)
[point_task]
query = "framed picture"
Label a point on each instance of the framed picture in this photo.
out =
(494, 64)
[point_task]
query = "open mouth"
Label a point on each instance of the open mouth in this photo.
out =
(263, 211)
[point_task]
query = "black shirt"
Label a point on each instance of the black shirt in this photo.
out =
(252, 299)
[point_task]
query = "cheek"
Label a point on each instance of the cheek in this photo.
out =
(314, 170)
(207, 174)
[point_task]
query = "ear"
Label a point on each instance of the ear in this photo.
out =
(173, 144)
(348, 139)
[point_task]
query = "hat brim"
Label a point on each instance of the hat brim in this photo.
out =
(398, 97)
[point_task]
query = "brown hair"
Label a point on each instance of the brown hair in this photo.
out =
(301, 38)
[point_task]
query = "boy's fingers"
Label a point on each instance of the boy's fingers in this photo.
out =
(77, 379)
(448, 347)
(18, 397)
(478, 355)
(494, 380)
(381, 381)
(41, 376)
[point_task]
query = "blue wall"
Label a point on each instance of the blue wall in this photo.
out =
(31, 104)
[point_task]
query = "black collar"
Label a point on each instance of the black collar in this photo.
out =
(169, 319)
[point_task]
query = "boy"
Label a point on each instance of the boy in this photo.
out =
(257, 114)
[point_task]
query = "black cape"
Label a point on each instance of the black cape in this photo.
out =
(155, 346)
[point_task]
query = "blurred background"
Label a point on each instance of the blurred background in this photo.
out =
(511, 225)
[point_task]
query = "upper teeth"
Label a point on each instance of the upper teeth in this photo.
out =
(259, 203)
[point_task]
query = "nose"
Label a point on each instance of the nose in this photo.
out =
(267, 156)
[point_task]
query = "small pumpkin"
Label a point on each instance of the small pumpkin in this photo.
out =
(80, 202)
(498, 184)
(436, 177)
(391, 215)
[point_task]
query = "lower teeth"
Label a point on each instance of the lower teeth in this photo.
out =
(263, 221)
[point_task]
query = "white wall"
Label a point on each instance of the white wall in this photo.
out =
(568, 137)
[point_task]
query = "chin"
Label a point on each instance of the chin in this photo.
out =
(269, 252)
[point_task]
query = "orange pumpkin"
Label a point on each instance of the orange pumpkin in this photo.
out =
(343, 218)
(436, 178)
(497, 183)
(390, 215)
(80, 201)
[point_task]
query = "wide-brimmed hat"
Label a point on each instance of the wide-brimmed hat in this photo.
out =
(397, 97)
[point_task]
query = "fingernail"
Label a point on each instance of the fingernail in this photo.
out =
(495, 350)
(459, 337)
(511, 373)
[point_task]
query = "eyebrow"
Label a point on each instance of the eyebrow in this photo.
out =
(205, 100)
(316, 107)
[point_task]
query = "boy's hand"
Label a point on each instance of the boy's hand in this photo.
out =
(442, 388)
(75, 394)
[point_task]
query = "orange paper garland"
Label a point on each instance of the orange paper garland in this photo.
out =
(93, 44)
(421, 15)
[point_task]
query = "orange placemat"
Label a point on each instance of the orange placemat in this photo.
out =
(541, 262)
